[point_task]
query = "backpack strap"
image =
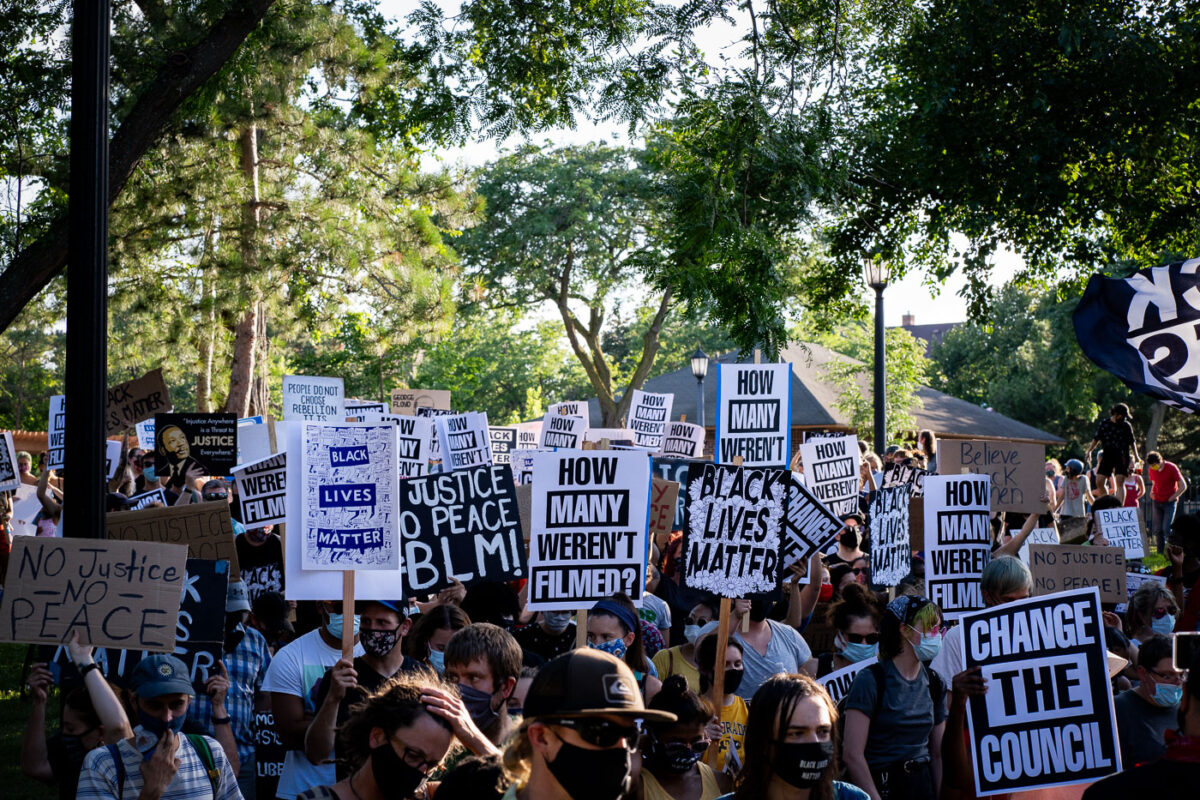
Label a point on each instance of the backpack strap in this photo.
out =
(878, 672)
(119, 763)
(937, 689)
(200, 745)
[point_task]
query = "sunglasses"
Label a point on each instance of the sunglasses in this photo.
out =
(698, 746)
(861, 570)
(603, 732)
(217, 496)
(862, 638)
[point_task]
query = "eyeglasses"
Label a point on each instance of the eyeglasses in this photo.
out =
(1175, 678)
(216, 496)
(696, 621)
(603, 732)
(414, 758)
(862, 638)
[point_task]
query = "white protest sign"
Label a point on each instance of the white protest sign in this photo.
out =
(891, 545)
(503, 440)
(1122, 527)
(522, 464)
(809, 525)
(25, 510)
(1133, 580)
(350, 509)
(313, 399)
(254, 440)
(464, 441)
(435, 445)
(1037, 536)
(958, 537)
(589, 512)
(262, 491)
(754, 410)
(569, 408)
(683, 440)
(1047, 718)
(10, 477)
(529, 434)
(147, 499)
(649, 414)
(145, 434)
(838, 682)
(563, 433)
(366, 410)
(831, 471)
(415, 441)
(57, 428)
(112, 458)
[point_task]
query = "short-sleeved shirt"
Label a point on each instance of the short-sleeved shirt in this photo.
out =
(905, 718)
(671, 662)
(733, 732)
(948, 662)
(786, 652)
(98, 778)
(261, 565)
(1141, 726)
(655, 611)
(532, 638)
(1164, 482)
(1116, 438)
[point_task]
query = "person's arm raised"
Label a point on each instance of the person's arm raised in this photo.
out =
(108, 706)
(35, 761)
(217, 687)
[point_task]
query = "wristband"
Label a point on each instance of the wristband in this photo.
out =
(221, 720)
(86, 668)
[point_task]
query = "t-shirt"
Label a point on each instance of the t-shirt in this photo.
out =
(841, 791)
(295, 670)
(655, 611)
(733, 730)
(533, 639)
(261, 565)
(907, 715)
(1164, 481)
(1116, 438)
(948, 662)
(1140, 728)
(786, 652)
(671, 662)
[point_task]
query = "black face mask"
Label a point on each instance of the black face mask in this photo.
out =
(802, 764)
(759, 608)
(849, 540)
(73, 747)
(394, 776)
(733, 679)
(233, 633)
(592, 774)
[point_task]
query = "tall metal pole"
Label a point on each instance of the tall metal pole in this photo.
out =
(700, 401)
(880, 418)
(87, 271)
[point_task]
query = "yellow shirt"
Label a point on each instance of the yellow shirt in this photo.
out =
(653, 790)
(733, 729)
(671, 662)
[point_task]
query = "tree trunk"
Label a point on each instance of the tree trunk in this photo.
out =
(650, 345)
(245, 338)
(241, 374)
(208, 333)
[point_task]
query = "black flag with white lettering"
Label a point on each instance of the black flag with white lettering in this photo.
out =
(1145, 329)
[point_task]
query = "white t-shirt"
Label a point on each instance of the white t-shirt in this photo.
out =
(655, 611)
(948, 662)
(295, 669)
(786, 652)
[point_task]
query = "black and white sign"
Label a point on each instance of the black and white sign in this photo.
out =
(838, 682)
(463, 440)
(503, 439)
(10, 478)
(678, 470)
(147, 499)
(683, 440)
(57, 432)
(313, 399)
(590, 511)
(460, 525)
(262, 491)
(1037, 536)
(831, 471)
(1122, 528)
(1047, 718)
(529, 434)
(269, 755)
(416, 443)
(563, 433)
(754, 411)
(112, 458)
(809, 525)
(569, 408)
(891, 547)
(904, 475)
(206, 441)
(958, 538)
(649, 415)
(365, 410)
(435, 445)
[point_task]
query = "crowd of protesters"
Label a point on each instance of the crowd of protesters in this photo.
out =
(467, 694)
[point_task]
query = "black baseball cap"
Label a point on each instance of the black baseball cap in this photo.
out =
(272, 612)
(587, 683)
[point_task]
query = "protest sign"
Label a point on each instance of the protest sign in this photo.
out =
(313, 399)
(10, 478)
(904, 475)
(1017, 469)
(683, 440)
(503, 440)
(754, 410)
(254, 439)
(677, 470)
(435, 445)
(733, 529)
(649, 415)
(838, 682)
(1122, 527)
(568, 408)
(262, 491)
(525, 511)
(205, 528)
(205, 441)
(831, 472)
(406, 401)
(522, 465)
(463, 440)
(808, 526)
(26, 507)
(56, 432)
(133, 401)
(566, 433)
(366, 410)
(617, 437)
(147, 499)
(1064, 567)
(269, 755)
(529, 434)
(958, 538)
(891, 549)
(123, 594)
(1133, 580)
(112, 458)
(1047, 718)
(664, 499)
(1037, 536)
(415, 442)
(145, 434)
(588, 528)
(460, 525)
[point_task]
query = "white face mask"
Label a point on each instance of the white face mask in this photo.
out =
(693, 633)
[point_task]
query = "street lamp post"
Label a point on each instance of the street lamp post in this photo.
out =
(699, 369)
(875, 271)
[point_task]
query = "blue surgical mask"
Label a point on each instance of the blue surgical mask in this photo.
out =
(1164, 625)
(855, 652)
(928, 647)
(616, 647)
(438, 660)
(150, 474)
(335, 625)
(1167, 695)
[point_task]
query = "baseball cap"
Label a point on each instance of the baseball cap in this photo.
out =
(236, 597)
(272, 612)
(588, 683)
(399, 606)
(158, 674)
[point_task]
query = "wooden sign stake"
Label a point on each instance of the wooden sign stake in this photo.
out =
(718, 687)
(581, 629)
(348, 615)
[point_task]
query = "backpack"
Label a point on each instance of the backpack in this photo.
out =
(199, 744)
(937, 691)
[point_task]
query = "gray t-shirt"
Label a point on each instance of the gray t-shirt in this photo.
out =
(900, 730)
(786, 652)
(1140, 728)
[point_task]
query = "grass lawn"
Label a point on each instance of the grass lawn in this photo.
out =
(14, 711)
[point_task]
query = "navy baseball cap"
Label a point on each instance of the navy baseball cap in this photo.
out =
(160, 674)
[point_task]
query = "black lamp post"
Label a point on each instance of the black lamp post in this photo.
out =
(875, 271)
(699, 369)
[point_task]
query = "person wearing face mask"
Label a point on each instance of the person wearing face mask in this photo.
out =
(681, 660)
(1005, 579)
(849, 542)
(768, 647)
(290, 680)
(1145, 712)
(672, 768)
(484, 660)
(1151, 612)
(896, 708)
(855, 617)
(791, 745)
(733, 709)
(157, 761)
(260, 557)
(581, 722)
(552, 634)
(432, 632)
(614, 627)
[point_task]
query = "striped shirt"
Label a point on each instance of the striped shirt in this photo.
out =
(98, 779)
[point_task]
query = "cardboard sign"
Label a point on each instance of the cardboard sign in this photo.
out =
(133, 401)
(112, 458)
(147, 499)
(733, 529)
(904, 475)
(588, 530)
(206, 529)
(10, 478)
(1037, 536)
(891, 550)
(269, 755)
(754, 413)
(664, 499)
(119, 594)
(464, 440)
(529, 434)
(958, 537)
(1122, 527)
(649, 415)
(569, 408)
(1065, 567)
(684, 440)
(416, 441)
(57, 432)
(348, 493)
(565, 433)
(312, 399)
(405, 402)
(838, 682)
(365, 410)
(1047, 718)
(205, 441)
(831, 472)
(1017, 469)
(462, 524)
(145, 434)
(262, 491)
(808, 526)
